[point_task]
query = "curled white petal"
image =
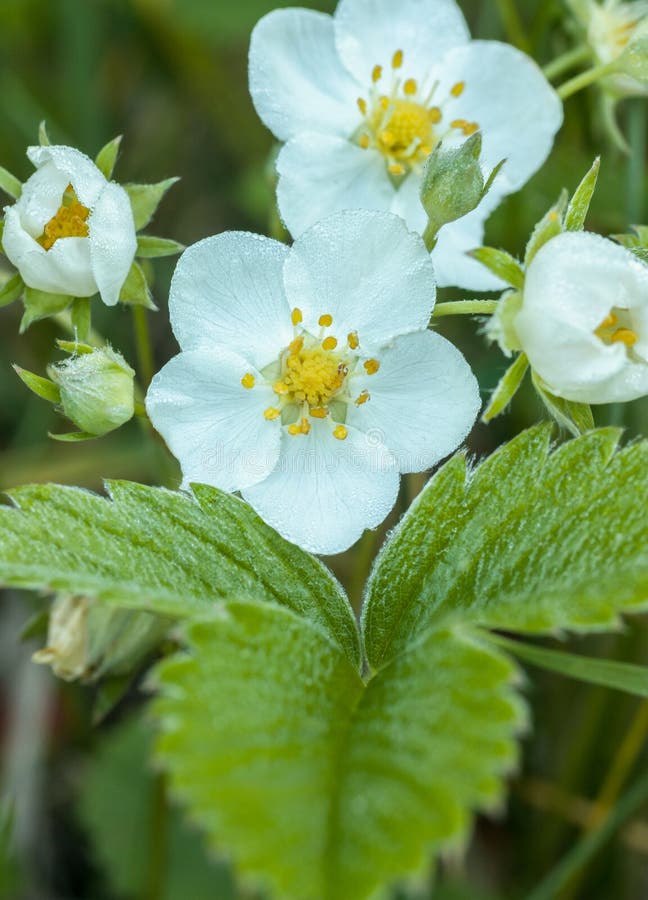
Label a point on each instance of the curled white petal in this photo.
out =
(297, 81)
(86, 179)
(323, 493)
(211, 423)
(572, 285)
(112, 241)
(423, 400)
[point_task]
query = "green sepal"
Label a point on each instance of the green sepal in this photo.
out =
(40, 305)
(150, 247)
(73, 437)
(501, 264)
(107, 156)
(42, 387)
(618, 676)
(82, 317)
(637, 239)
(35, 626)
(135, 290)
(145, 199)
(10, 184)
(507, 388)
(576, 418)
(75, 347)
(580, 203)
(12, 290)
(634, 60)
(640, 252)
(43, 137)
(550, 226)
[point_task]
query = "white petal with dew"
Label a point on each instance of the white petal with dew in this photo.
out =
(41, 198)
(112, 241)
(81, 172)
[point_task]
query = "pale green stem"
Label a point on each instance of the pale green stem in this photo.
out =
(143, 345)
(465, 308)
(513, 24)
(566, 61)
(576, 84)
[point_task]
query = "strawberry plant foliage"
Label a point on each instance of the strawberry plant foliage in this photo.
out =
(319, 777)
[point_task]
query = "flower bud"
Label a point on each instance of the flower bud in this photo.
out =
(453, 184)
(88, 639)
(617, 32)
(96, 388)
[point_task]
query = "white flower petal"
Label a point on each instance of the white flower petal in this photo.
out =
(517, 110)
(297, 81)
(367, 271)
(81, 172)
(211, 423)
(423, 400)
(320, 175)
(112, 241)
(41, 198)
(228, 290)
(64, 269)
(324, 492)
(369, 32)
(571, 286)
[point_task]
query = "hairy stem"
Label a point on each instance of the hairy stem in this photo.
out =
(465, 308)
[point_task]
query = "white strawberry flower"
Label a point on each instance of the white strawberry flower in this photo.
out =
(611, 27)
(71, 231)
(584, 319)
(308, 380)
(361, 98)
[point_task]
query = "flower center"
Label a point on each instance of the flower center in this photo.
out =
(612, 27)
(312, 379)
(69, 221)
(402, 122)
(618, 328)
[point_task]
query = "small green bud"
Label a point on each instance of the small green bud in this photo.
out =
(97, 389)
(88, 639)
(453, 184)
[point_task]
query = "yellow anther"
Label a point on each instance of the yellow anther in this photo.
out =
(304, 426)
(248, 381)
(470, 128)
(397, 59)
(457, 89)
(329, 343)
(364, 396)
(353, 340)
(396, 169)
(435, 115)
(326, 320)
(340, 433)
(371, 366)
(294, 430)
(410, 87)
(387, 138)
(609, 321)
(296, 346)
(69, 221)
(362, 105)
(319, 412)
(426, 149)
(384, 103)
(459, 123)
(376, 74)
(625, 336)
(364, 141)
(296, 316)
(271, 413)
(281, 388)
(553, 216)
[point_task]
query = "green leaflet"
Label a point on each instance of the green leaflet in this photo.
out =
(530, 541)
(164, 552)
(314, 782)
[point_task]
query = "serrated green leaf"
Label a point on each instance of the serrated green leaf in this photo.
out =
(315, 782)
(150, 247)
(164, 552)
(145, 199)
(576, 418)
(135, 290)
(529, 542)
(619, 676)
(10, 184)
(500, 263)
(11, 290)
(118, 803)
(41, 305)
(42, 387)
(107, 156)
(507, 388)
(580, 203)
(551, 225)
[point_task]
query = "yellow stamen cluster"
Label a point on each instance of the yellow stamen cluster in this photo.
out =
(401, 123)
(70, 220)
(614, 329)
(312, 375)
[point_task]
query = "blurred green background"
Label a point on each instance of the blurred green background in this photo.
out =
(79, 810)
